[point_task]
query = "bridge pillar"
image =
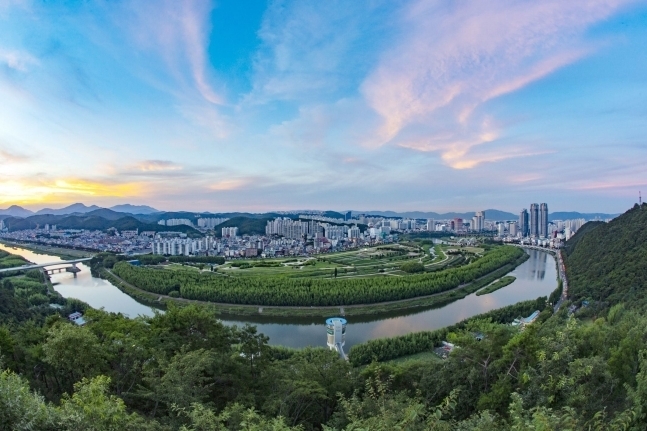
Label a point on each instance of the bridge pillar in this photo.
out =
(73, 269)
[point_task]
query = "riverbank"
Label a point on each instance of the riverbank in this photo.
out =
(421, 303)
(535, 277)
(64, 253)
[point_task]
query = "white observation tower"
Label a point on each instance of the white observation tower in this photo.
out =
(336, 330)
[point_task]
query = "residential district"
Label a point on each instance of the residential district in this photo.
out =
(308, 234)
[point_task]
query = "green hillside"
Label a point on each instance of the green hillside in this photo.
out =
(245, 225)
(608, 261)
(91, 221)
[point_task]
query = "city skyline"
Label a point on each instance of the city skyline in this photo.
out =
(345, 213)
(411, 106)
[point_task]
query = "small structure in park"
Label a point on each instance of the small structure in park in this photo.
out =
(77, 318)
(523, 321)
(445, 349)
(336, 331)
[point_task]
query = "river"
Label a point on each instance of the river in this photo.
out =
(535, 277)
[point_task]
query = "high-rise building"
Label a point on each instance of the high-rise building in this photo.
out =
(543, 220)
(353, 232)
(512, 228)
(478, 221)
(523, 223)
(348, 215)
(431, 225)
(458, 224)
(231, 232)
(534, 220)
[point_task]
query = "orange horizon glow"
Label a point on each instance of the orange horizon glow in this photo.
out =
(63, 191)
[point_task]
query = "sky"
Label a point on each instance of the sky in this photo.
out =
(283, 105)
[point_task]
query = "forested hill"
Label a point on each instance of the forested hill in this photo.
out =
(245, 225)
(608, 261)
(92, 222)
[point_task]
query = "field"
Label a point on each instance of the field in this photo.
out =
(423, 357)
(381, 261)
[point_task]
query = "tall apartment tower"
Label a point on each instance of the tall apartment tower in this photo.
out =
(523, 223)
(480, 220)
(534, 220)
(543, 220)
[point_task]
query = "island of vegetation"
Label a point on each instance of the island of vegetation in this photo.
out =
(366, 282)
(498, 284)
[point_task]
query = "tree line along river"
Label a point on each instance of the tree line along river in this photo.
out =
(534, 278)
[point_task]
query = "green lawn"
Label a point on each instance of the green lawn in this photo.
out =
(430, 357)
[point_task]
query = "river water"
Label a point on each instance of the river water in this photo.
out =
(535, 277)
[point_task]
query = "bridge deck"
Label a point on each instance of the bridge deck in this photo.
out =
(44, 265)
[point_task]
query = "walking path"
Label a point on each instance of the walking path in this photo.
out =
(561, 269)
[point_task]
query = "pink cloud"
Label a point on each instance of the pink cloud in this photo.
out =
(431, 86)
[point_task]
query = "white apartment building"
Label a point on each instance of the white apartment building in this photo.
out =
(512, 228)
(431, 225)
(180, 246)
(231, 232)
(175, 222)
(354, 232)
(210, 223)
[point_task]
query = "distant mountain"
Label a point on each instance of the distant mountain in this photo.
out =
(490, 214)
(16, 211)
(74, 208)
(106, 214)
(575, 215)
(134, 209)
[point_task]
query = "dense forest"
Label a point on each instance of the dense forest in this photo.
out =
(282, 291)
(581, 368)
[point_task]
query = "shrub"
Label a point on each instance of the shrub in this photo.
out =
(412, 267)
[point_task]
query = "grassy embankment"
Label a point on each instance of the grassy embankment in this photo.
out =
(63, 253)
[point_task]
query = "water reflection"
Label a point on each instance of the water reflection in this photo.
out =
(94, 291)
(536, 277)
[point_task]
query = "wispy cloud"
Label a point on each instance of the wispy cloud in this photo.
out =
(158, 165)
(11, 156)
(230, 184)
(179, 32)
(17, 60)
(308, 49)
(450, 60)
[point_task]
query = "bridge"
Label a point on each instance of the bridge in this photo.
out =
(535, 247)
(64, 265)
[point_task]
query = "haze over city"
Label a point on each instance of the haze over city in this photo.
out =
(262, 105)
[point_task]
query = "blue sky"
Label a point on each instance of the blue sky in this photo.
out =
(264, 105)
